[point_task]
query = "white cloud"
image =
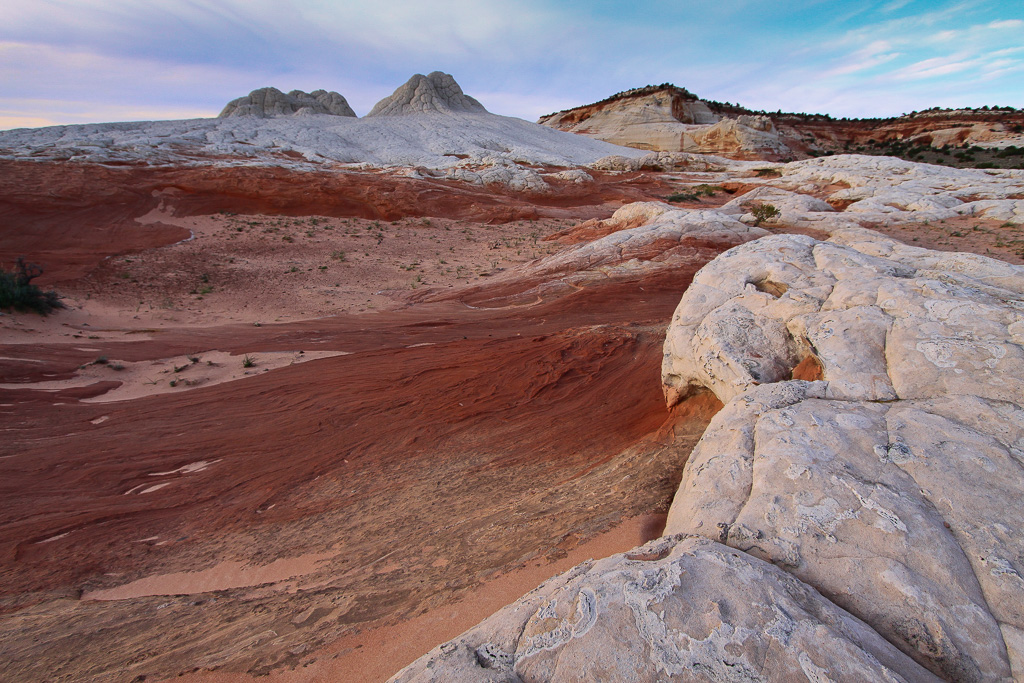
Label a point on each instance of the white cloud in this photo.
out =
(936, 66)
(1010, 23)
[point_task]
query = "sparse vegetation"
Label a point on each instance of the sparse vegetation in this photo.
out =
(764, 212)
(17, 291)
(693, 194)
(248, 361)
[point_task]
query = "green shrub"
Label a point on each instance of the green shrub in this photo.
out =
(18, 292)
(764, 212)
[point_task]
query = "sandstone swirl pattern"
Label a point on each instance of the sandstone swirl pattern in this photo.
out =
(862, 526)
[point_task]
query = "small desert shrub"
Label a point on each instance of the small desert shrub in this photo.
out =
(18, 292)
(339, 255)
(768, 173)
(248, 361)
(764, 212)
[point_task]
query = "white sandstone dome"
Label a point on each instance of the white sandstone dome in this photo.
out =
(265, 103)
(435, 93)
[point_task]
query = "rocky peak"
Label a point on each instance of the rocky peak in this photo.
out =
(270, 102)
(436, 92)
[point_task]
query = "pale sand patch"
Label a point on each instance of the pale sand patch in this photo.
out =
(226, 575)
(378, 653)
(169, 375)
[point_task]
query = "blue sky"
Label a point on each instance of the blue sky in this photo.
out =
(78, 61)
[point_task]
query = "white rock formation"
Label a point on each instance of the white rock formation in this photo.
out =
(269, 102)
(500, 172)
(646, 236)
(435, 93)
(887, 486)
(884, 189)
(654, 121)
(433, 141)
(666, 120)
(663, 161)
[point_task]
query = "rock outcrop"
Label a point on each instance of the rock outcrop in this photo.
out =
(886, 485)
(270, 102)
(880, 491)
(436, 92)
(670, 119)
(646, 120)
(745, 137)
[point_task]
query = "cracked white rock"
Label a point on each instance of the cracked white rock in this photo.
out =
(680, 608)
(890, 485)
(268, 102)
(435, 92)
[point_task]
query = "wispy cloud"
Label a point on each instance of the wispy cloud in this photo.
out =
(875, 54)
(936, 66)
(1009, 23)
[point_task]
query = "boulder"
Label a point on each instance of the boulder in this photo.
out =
(435, 93)
(270, 102)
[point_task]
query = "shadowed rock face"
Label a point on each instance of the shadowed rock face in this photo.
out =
(435, 93)
(270, 102)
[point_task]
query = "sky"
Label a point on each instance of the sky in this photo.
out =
(90, 61)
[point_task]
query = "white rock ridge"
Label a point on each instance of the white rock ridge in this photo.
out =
(269, 102)
(435, 93)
